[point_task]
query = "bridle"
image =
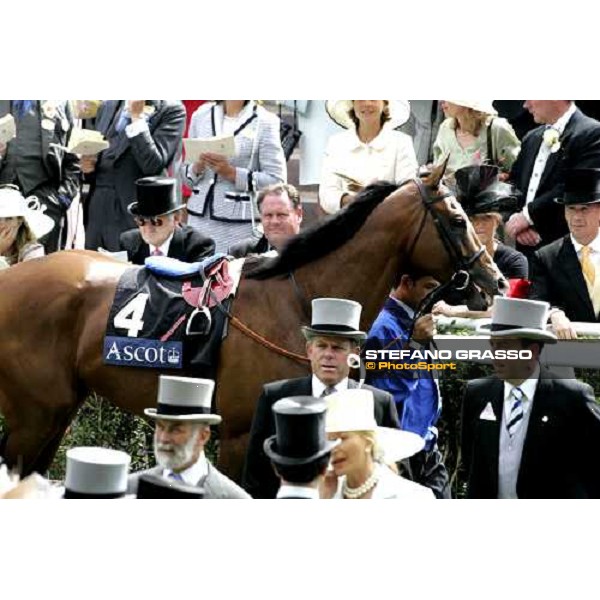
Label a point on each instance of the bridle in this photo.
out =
(463, 264)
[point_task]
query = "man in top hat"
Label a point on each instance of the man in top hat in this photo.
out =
(145, 139)
(332, 337)
(566, 273)
(159, 231)
(183, 418)
(525, 432)
(299, 450)
(566, 139)
(96, 473)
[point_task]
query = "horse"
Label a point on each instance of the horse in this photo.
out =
(53, 315)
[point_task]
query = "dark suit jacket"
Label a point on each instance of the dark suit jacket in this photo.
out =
(557, 278)
(561, 451)
(580, 147)
(259, 479)
(188, 244)
(62, 167)
(126, 160)
(250, 245)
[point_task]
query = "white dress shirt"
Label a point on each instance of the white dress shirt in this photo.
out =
(318, 387)
(164, 247)
(542, 158)
(193, 474)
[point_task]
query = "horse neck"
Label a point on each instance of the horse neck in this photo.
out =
(364, 268)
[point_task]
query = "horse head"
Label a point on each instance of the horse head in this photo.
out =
(449, 235)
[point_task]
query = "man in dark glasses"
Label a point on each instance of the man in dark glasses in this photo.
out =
(159, 230)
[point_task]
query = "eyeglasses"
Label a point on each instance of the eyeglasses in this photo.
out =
(156, 221)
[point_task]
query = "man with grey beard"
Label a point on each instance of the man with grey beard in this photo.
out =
(183, 419)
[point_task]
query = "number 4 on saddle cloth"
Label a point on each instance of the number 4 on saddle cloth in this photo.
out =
(165, 315)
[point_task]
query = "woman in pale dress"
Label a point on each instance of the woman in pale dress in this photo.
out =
(359, 463)
(20, 228)
(473, 134)
(369, 150)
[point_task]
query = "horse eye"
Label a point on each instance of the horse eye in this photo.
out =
(459, 223)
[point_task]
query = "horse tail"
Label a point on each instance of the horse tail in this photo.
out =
(326, 236)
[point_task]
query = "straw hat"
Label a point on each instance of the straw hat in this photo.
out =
(484, 106)
(338, 111)
(13, 204)
(354, 410)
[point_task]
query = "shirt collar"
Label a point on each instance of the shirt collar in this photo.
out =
(164, 247)
(562, 122)
(528, 387)
(194, 473)
(594, 244)
(297, 491)
(377, 143)
(404, 306)
(318, 387)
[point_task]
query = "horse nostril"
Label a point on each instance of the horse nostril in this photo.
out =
(503, 286)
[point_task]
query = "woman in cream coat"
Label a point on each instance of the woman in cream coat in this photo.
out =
(369, 150)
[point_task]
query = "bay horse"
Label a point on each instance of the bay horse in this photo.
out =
(54, 310)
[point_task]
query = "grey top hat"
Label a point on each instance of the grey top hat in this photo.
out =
(518, 318)
(335, 317)
(184, 399)
(96, 473)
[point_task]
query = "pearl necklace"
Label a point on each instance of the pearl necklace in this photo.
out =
(361, 490)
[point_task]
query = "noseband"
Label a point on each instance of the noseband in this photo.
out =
(463, 264)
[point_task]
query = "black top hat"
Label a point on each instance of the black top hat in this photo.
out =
(582, 186)
(300, 436)
(155, 196)
(155, 487)
(479, 191)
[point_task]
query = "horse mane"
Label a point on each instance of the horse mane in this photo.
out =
(320, 239)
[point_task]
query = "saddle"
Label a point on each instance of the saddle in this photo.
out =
(217, 285)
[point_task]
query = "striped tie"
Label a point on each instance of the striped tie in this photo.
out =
(516, 411)
(328, 390)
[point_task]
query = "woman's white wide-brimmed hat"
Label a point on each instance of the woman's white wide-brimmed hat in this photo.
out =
(354, 410)
(339, 110)
(13, 204)
(484, 106)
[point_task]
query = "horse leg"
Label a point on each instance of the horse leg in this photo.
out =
(36, 426)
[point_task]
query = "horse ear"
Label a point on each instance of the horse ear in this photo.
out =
(437, 173)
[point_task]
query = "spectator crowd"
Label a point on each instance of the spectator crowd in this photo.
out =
(527, 175)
